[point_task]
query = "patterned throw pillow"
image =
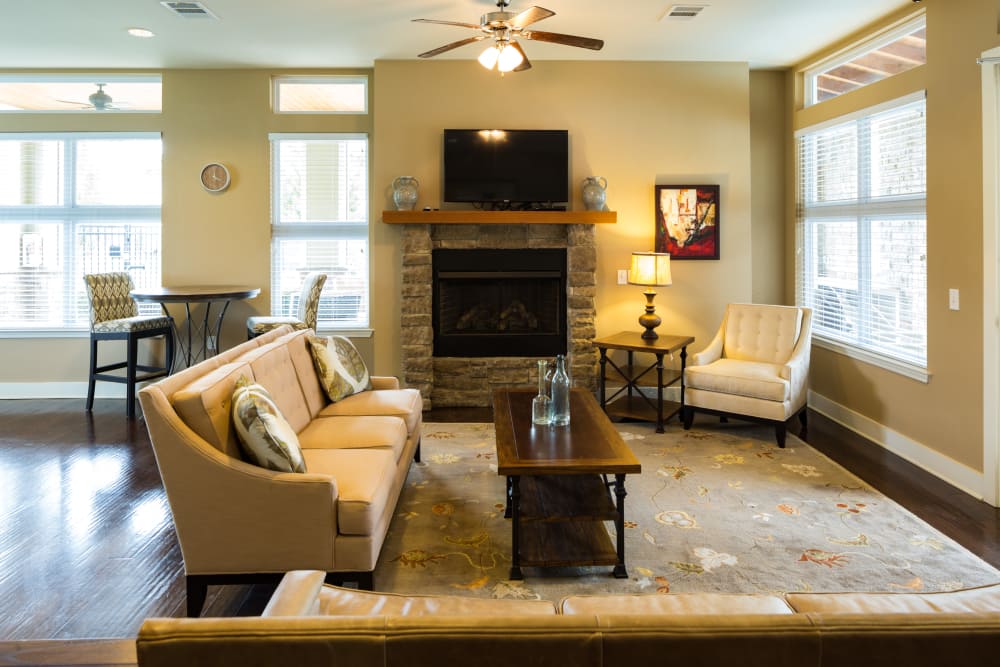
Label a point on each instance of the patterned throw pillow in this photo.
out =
(265, 437)
(339, 365)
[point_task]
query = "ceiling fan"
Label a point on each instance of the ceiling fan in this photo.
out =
(506, 28)
(98, 101)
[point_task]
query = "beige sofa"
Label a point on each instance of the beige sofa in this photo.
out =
(237, 522)
(308, 623)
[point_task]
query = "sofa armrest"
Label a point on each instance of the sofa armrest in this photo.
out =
(713, 352)
(233, 516)
(796, 369)
(384, 382)
(297, 594)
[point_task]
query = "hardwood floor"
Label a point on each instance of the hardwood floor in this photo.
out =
(87, 547)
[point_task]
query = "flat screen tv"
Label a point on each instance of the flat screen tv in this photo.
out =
(506, 167)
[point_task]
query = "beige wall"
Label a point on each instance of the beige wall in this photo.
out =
(208, 115)
(944, 414)
(769, 123)
(636, 124)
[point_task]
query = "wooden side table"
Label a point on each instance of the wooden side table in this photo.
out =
(629, 401)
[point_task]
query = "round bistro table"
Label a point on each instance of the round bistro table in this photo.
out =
(199, 340)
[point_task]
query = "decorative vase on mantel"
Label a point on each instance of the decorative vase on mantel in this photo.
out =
(404, 193)
(594, 194)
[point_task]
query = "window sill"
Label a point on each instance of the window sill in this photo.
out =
(349, 332)
(894, 365)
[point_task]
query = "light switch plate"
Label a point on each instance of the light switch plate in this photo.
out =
(623, 276)
(953, 299)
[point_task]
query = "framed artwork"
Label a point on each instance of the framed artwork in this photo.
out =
(687, 221)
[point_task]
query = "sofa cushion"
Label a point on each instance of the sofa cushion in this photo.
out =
(364, 484)
(339, 365)
(336, 601)
(205, 406)
(404, 403)
(676, 603)
(265, 437)
(355, 433)
(971, 600)
(743, 378)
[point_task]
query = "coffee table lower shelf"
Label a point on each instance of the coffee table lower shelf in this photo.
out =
(566, 543)
(562, 521)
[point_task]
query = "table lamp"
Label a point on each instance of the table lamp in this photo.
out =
(649, 269)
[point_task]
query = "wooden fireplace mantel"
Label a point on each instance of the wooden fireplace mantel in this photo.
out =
(498, 217)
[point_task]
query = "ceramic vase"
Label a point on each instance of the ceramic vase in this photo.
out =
(404, 193)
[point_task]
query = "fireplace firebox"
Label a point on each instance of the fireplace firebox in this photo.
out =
(499, 303)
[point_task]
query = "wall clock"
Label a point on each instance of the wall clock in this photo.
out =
(214, 177)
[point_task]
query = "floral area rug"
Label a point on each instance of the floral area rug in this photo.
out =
(719, 509)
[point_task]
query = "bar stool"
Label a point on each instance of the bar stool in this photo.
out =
(312, 288)
(114, 315)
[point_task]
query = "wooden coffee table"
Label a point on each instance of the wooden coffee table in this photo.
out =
(558, 492)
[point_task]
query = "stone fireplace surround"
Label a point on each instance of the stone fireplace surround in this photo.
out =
(469, 382)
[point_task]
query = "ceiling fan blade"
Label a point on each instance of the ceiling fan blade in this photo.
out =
(474, 26)
(568, 40)
(449, 47)
(530, 15)
(525, 64)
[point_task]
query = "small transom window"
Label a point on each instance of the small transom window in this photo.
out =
(321, 94)
(887, 54)
(81, 93)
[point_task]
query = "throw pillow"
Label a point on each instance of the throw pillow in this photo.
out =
(265, 437)
(339, 365)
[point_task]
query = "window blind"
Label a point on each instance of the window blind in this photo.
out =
(861, 261)
(320, 223)
(66, 210)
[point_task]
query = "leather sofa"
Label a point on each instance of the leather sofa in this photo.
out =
(308, 623)
(238, 522)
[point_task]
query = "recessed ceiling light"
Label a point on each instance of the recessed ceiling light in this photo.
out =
(141, 32)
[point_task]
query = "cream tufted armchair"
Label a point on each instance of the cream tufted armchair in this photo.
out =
(312, 288)
(756, 367)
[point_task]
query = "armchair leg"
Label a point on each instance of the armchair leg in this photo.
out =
(687, 417)
(780, 430)
(197, 591)
(416, 454)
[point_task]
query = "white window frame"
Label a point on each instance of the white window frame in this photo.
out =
(862, 210)
(324, 79)
(71, 215)
(350, 230)
(876, 41)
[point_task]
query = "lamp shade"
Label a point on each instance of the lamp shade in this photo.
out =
(488, 58)
(650, 268)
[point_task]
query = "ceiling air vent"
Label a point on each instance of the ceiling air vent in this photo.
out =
(682, 12)
(189, 10)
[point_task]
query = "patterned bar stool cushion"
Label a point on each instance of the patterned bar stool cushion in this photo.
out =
(114, 315)
(312, 288)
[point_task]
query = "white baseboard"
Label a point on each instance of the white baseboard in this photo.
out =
(59, 390)
(957, 474)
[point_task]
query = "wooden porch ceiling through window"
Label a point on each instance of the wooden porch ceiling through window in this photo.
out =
(903, 54)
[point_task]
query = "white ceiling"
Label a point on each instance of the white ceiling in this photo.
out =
(78, 34)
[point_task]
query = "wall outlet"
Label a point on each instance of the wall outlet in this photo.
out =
(623, 276)
(953, 299)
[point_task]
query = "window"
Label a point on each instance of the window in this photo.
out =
(69, 207)
(891, 52)
(861, 238)
(80, 93)
(321, 94)
(320, 223)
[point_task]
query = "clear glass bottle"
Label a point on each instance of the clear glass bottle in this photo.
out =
(560, 394)
(540, 406)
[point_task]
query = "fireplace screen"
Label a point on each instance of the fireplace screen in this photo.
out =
(499, 303)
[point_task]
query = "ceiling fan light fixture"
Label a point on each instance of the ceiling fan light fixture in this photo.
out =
(509, 59)
(489, 57)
